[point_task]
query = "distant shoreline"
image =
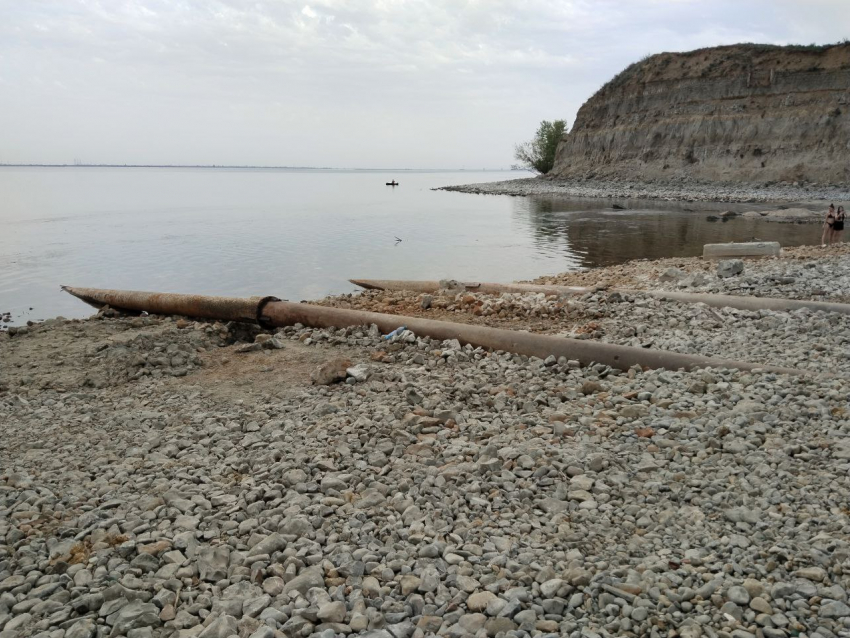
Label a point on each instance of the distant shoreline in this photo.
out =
(270, 168)
(672, 191)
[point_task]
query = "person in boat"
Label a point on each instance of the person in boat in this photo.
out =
(827, 226)
(838, 225)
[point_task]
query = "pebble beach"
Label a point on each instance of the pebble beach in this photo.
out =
(168, 478)
(682, 189)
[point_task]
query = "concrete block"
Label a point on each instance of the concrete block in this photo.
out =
(745, 249)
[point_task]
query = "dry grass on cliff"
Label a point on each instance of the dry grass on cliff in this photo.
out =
(736, 58)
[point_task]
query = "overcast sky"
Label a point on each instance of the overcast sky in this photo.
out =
(345, 83)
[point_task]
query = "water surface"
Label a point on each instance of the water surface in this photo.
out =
(301, 234)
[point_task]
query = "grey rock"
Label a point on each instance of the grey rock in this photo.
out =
(525, 617)
(639, 614)
(222, 627)
(269, 545)
(311, 577)
(834, 609)
(333, 612)
(760, 605)
(430, 580)
(672, 274)
(496, 626)
(296, 526)
(212, 563)
(253, 607)
(510, 609)
(249, 347)
(84, 628)
(738, 595)
(135, 615)
(730, 267)
(360, 372)
(816, 574)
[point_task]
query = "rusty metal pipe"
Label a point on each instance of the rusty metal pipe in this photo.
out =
(165, 303)
(470, 286)
(745, 302)
(285, 313)
(269, 311)
(718, 301)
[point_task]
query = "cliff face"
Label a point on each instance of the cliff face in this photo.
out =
(743, 113)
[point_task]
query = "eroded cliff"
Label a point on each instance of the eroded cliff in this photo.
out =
(742, 113)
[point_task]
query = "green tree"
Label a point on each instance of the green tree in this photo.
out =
(539, 153)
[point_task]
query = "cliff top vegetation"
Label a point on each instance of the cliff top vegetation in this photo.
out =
(733, 59)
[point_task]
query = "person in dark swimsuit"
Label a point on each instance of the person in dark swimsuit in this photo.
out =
(838, 225)
(827, 226)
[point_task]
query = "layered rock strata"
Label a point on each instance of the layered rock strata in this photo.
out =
(742, 113)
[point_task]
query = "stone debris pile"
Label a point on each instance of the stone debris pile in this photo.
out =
(825, 279)
(805, 272)
(106, 352)
(507, 309)
(434, 490)
(803, 339)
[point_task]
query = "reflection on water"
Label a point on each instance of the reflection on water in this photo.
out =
(303, 234)
(593, 233)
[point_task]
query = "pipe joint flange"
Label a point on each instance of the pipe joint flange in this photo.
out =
(261, 320)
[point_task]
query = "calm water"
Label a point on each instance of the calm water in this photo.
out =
(303, 234)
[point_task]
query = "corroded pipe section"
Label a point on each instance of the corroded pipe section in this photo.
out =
(488, 288)
(284, 313)
(716, 301)
(743, 302)
(164, 303)
(269, 311)
(411, 285)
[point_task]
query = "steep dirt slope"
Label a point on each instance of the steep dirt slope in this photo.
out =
(742, 113)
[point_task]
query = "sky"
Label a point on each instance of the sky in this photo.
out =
(340, 83)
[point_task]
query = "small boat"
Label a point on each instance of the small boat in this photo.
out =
(392, 183)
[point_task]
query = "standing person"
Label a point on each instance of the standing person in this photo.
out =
(838, 225)
(827, 226)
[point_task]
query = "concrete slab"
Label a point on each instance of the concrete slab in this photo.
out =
(743, 249)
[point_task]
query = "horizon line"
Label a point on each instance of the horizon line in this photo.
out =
(243, 166)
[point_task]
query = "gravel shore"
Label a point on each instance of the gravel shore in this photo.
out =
(161, 477)
(690, 191)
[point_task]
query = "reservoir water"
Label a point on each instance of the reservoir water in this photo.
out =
(301, 234)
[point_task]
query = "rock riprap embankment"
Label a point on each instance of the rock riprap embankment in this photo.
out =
(803, 339)
(804, 272)
(823, 279)
(437, 490)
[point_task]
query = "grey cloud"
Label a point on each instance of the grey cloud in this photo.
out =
(333, 82)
